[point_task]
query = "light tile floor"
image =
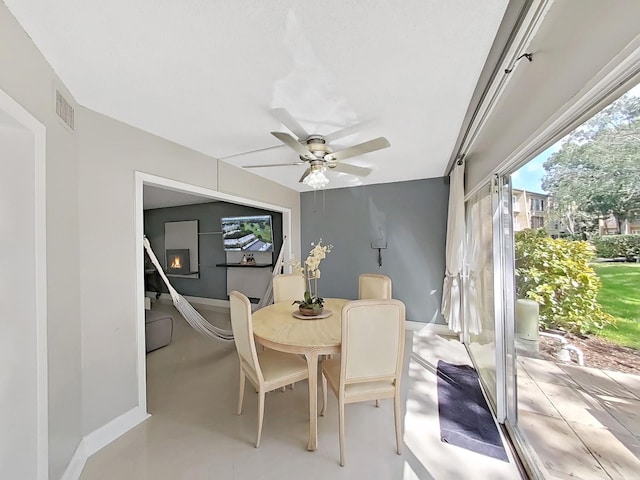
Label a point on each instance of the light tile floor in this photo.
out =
(194, 433)
(583, 423)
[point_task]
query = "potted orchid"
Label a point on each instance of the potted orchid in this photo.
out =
(312, 304)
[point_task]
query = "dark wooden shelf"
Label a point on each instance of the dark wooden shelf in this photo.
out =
(243, 265)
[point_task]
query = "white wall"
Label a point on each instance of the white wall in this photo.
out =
(27, 78)
(90, 208)
(110, 152)
(18, 344)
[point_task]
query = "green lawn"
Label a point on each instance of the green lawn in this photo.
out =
(620, 296)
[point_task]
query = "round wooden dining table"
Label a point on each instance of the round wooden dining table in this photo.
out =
(275, 327)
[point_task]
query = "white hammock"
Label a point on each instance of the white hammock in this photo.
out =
(267, 298)
(190, 314)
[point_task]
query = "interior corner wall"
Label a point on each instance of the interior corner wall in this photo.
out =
(410, 216)
(565, 60)
(110, 152)
(27, 78)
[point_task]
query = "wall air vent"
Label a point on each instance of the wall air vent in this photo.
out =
(64, 110)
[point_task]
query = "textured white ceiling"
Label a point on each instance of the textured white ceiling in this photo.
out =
(206, 73)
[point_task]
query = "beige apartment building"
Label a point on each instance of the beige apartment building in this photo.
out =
(529, 211)
(609, 226)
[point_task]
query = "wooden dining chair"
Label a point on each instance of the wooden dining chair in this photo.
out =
(266, 370)
(288, 287)
(370, 365)
(373, 285)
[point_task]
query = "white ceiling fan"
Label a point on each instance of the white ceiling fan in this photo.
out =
(315, 151)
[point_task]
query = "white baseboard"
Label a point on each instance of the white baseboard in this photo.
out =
(100, 438)
(115, 428)
(74, 469)
(433, 328)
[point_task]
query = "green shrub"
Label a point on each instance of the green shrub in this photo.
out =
(573, 236)
(556, 274)
(614, 246)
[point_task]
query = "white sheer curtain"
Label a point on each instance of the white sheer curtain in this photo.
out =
(478, 258)
(451, 289)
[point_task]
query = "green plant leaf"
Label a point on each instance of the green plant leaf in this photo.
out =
(556, 274)
(307, 297)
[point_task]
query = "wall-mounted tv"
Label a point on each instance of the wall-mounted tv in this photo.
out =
(249, 233)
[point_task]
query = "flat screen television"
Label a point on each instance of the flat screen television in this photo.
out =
(249, 233)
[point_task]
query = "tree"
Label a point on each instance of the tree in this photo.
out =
(596, 173)
(564, 207)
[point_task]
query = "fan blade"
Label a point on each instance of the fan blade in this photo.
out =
(344, 132)
(293, 143)
(305, 175)
(291, 123)
(275, 165)
(250, 151)
(350, 169)
(361, 148)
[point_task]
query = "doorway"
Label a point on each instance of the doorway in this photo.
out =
(23, 313)
(145, 179)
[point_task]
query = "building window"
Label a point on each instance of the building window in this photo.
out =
(537, 222)
(515, 203)
(537, 204)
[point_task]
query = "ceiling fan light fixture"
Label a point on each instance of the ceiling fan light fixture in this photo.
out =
(313, 150)
(316, 179)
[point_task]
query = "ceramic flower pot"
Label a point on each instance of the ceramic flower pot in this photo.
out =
(309, 312)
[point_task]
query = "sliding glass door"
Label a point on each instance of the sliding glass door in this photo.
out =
(488, 291)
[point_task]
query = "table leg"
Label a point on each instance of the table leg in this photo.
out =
(312, 364)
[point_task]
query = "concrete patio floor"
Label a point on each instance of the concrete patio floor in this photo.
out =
(582, 423)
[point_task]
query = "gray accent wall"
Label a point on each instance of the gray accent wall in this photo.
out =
(213, 280)
(410, 216)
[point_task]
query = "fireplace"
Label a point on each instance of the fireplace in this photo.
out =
(178, 261)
